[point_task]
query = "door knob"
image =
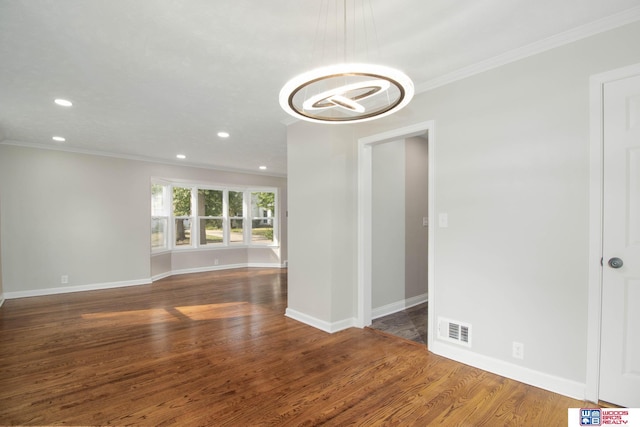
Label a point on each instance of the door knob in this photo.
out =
(615, 263)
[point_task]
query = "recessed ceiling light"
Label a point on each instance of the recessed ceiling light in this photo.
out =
(63, 102)
(59, 139)
(181, 156)
(263, 168)
(223, 134)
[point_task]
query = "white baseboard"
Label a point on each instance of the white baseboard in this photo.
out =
(213, 268)
(111, 285)
(161, 276)
(538, 379)
(207, 269)
(320, 324)
(263, 265)
(385, 310)
(80, 288)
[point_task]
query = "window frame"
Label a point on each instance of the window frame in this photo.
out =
(195, 219)
(193, 230)
(273, 217)
(196, 191)
(166, 217)
(231, 218)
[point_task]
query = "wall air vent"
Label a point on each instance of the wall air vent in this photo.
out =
(454, 331)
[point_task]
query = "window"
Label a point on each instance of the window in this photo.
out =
(262, 217)
(182, 216)
(159, 217)
(191, 216)
(210, 210)
(236, 217)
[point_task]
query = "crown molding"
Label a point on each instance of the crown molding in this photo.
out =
(77, 150)
(605, 24)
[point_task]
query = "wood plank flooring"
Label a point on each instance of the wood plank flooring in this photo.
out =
(215, 349)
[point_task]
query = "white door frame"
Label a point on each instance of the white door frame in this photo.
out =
(596, 177)
(365, 146)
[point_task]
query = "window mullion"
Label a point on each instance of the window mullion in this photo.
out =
(246, 217)
(172, 221)
(195, 224)
(274, 220)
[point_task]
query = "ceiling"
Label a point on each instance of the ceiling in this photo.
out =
(152, 79)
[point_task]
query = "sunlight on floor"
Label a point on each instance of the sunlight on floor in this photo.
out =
(134, 317)
(221, 311)
(192, 312)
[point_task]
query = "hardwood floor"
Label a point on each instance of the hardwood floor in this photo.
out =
(216, 349)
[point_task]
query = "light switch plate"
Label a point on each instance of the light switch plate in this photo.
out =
(443, 220)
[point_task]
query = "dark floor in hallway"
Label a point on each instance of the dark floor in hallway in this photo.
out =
(410, 324)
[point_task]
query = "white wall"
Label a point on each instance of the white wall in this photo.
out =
(416, 208)
(511, 169)
(71, 215)
(322, 199)
(388, 221)
(88, 217)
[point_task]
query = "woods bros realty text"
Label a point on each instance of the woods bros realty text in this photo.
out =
(604, 417)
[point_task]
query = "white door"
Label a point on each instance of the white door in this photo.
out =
(620, 342)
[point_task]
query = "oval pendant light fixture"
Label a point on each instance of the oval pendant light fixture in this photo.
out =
(346, 92)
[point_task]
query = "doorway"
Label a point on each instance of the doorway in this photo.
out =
(613, 355)
(365, 218)
(400, 235)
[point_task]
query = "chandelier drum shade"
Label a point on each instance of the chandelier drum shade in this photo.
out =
(346, 92)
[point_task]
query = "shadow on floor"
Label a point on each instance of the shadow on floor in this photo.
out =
(410, 324)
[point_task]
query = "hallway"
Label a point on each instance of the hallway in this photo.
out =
(410, 324)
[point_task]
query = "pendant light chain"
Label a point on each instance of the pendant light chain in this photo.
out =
(375, 29)
(344, 7)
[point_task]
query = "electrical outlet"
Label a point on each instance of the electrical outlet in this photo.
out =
(215, 261)
(518, 350)
(64, 279)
